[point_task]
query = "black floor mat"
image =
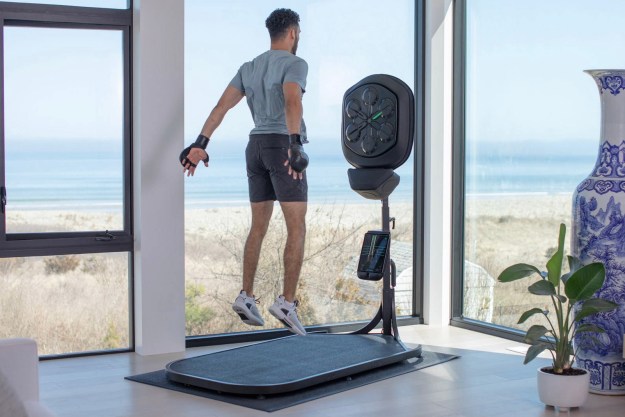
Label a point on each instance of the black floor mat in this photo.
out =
(279, 401)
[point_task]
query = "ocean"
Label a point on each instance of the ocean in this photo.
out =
(87, 175)
(528, 167)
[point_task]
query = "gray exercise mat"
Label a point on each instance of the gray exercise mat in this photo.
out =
(276, 402)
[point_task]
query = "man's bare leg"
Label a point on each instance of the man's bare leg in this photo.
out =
(261, 215)
(295, 218)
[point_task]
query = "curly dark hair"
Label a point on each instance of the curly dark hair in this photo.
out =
(280, 21)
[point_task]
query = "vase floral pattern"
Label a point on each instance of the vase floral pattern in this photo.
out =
(599, 235)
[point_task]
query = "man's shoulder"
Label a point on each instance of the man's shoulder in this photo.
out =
(294, 58)
(260, 57)
(299, 59)
(272, 57)
(280, 55)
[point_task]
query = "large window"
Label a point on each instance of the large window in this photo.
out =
(111, 4)
(63, 129)
(65, 228)
(527, 137)
(217, 207)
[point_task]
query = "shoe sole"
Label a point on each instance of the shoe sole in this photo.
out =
(284, 320)
(247, 317)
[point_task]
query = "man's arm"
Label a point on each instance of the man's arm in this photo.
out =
(293, 113)
(293, 106)
(228, 100)
(230, 97)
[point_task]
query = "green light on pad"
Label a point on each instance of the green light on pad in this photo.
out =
(377, 115)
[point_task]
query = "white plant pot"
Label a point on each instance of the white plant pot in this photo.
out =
(563, 391)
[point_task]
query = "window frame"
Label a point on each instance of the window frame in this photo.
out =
(70, 17)
(82, 242)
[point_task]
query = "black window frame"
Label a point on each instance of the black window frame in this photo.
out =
(416, 316)
(70, 17)
(81, 242)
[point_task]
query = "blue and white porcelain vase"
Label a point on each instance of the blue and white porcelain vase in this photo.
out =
(599, 235)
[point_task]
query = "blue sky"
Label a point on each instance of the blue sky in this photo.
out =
(63, 83)
(525, 67)
(341, 43)
(111, 4)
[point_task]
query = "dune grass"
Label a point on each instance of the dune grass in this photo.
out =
(79, 303)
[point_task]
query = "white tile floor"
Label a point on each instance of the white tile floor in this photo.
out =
(488, 380)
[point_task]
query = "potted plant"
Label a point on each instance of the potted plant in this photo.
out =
(561, 385)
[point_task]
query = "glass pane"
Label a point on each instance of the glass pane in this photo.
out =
(69, 304)
(107, 4)
(64, 129)
(217, 207)
(532, 130)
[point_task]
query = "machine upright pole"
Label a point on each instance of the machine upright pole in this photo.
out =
(388, 295)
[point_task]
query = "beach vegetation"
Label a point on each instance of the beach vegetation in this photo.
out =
(61, 264)
(66, 312)
(328, 290)
(93, 265)
(113, 339)
(80, 303)
(196, 314)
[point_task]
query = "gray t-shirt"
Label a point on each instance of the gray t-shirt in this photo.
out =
(261, 81)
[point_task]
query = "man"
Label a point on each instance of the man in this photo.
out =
(273, 84)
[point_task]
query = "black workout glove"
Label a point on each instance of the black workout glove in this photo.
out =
(201, 142)
(298, 160)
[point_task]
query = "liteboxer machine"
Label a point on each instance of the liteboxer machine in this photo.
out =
(377, 137)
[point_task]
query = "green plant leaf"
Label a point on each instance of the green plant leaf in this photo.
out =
(584, 282)
(554, 265)
(589, 328)
(594, 306)
(518, 271)
(542, 287)
(600, 304)
(534, 333)
(574, 265)
(534, 351)
(528, 314)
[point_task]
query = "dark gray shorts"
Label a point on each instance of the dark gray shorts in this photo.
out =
(267, 177)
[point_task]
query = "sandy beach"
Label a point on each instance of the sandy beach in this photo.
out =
(504, 230)
(510, 229)
(80, 302)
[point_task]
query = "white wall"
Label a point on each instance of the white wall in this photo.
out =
(158, 117)
(438, 151)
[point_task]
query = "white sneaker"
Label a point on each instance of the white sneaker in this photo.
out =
(287, 313)
(245, 307)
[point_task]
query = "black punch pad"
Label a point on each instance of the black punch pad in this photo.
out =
(378, 122)
(378, 133)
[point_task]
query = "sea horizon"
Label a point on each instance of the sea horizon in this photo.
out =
(79, 177)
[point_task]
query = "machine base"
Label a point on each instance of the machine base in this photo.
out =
(289, 363)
